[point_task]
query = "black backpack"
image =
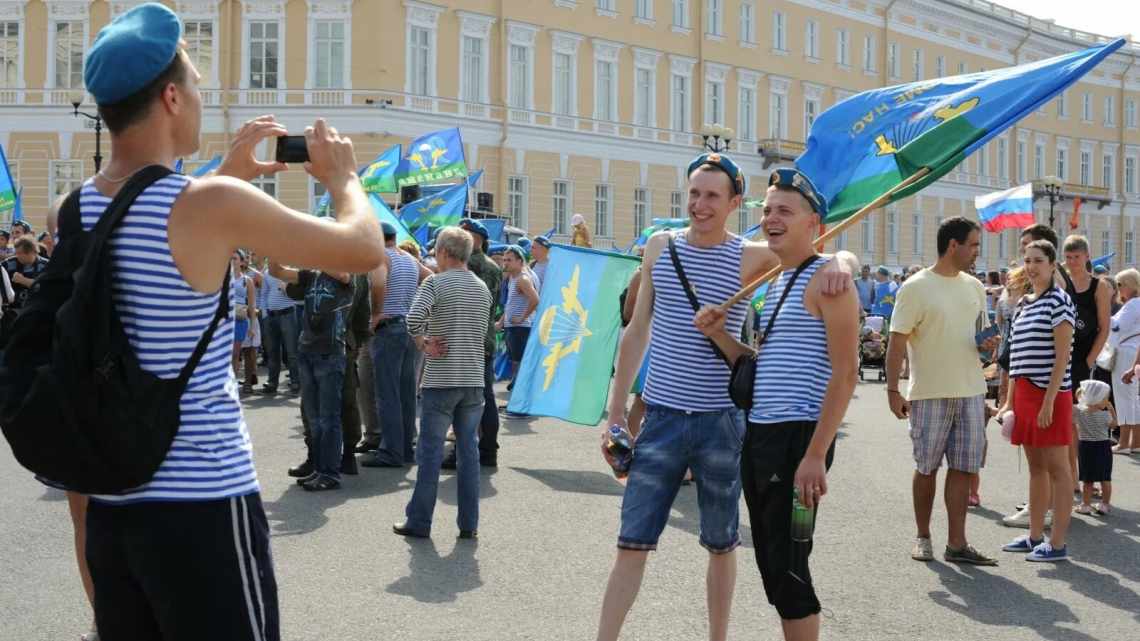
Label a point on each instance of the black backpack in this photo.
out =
(75, 405)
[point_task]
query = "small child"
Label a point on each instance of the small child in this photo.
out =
(1095, 418)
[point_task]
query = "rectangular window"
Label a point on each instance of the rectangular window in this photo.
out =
(811, 39)
(605, 107)
(893, 59)
(1107, 171)
(329, 54)
(267, 184)
(1105, 242)
(714, 109)
(318, 191)
(1062, 163)
(1129, 256)
(916, 65)
(561, 206)
(643, 98)
(9, 54)
(869, 53)
(1086, 160)
(680, 112)
(563, 84)
(867, 226)
(66, 175)
(811, 110)
(1130, 175)
(603, 211)
(1130, 113)
(199, 37)
(1002, 159)
(264, 54)
(746, 130)
(1003, 244)
(777, 116)
(1109, 111)
(1086, 107)
(606, 5)
(1020, 162)
(419, 56)
(983, 161)
(681, 13)
(69, 46)
(779, 32)
(644, 9)
(471, 76)
(747, 22)
(843, 47)
(516, 200)
(1063, 104)
(841, 240)
(916, 238)
(1039, 161)
(715, 17)
(940, 66)
(892, 232)
(640, 209)
(520, 77)
(675, 204)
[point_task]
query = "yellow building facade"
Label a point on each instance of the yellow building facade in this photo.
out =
(595, 106)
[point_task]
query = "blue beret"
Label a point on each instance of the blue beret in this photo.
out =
(516, 250)
(472, 225)
(799, 181)
(523, 242)
(131, 51)
(725, 164)
(542, 240)
(389, 230)
(497, 248)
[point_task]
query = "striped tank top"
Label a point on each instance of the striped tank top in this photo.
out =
(403, 280)
(684, 371)
(793, 367)
(163, 317)
(517, 303)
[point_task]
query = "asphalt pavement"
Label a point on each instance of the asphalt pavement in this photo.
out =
(549, 519)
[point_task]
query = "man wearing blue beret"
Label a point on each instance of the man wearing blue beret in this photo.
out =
(186, 554)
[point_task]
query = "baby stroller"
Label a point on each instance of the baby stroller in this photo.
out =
(873, 346)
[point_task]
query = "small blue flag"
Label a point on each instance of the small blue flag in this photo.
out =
(437, 210)
(18, 212)
(8, 197)
(434, 157)
(178, 166)
(385, 215)
(380, 174)
(495, 229)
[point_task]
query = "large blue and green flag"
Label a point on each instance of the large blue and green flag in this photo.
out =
(385, 215)
(565, 369)
(438, 210)
(864, 146)
(380, 174)
(7, 186)
(433, 157)
(660, 224)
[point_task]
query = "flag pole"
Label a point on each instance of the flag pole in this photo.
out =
(748, 289)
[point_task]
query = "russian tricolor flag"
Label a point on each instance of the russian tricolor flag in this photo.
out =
(1012, 208)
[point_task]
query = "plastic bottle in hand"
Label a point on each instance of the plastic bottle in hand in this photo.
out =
(803, 519)
(620, 446)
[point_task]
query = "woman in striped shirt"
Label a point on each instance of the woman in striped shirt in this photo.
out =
(1040, 396)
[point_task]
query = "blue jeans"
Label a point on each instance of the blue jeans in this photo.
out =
(460, 407)
(394, 372)
(322, 379)
(279, 338)
(670, 441)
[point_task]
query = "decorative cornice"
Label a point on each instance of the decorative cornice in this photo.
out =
(716, 72)
(812, 91)
(476, 25)
(122, 6)
(779, 84)
(273, 9)
(565, 42)
(330, 8)
(67, 9)
(681, 65)
(13, 9)
(643, 57)
(521, 33)
(606, 50)
(423, 14)
(198, 8)
(748, 77)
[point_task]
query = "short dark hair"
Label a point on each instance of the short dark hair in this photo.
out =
(26, 244)
(132, 109)
(956, 228)
(1046, 247)
(1040, 232)
(1076, 243)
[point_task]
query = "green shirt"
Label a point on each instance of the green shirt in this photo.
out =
(492, 277)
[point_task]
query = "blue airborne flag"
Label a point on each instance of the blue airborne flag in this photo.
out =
(434, 157)
(385, 215)
(7, 187)
(565, 369)
(862, 147)
(437, 210)
(380, 174)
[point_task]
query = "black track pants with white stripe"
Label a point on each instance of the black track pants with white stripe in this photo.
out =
(175, 571)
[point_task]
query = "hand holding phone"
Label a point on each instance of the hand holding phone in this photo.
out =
(292, 149)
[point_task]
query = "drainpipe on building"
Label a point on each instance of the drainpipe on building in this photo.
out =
(1120, 150)
(1012, 159)
(701, 63)
(881, 246)
(506, 61)
(224, 85)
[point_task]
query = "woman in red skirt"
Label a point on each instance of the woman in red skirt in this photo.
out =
(1042, 402)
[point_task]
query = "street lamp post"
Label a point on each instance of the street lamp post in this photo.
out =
(77, 100)
(721, 137)
(1053, 186)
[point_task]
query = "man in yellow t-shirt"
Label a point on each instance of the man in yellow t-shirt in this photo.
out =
(938, 312)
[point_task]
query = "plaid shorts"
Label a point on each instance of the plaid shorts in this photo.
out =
(954, 428)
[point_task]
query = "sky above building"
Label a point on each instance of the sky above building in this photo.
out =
(1106, 17)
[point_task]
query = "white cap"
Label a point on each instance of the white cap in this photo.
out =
(1093, 392)
(577, 219)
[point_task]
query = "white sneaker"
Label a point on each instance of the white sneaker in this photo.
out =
(1121, 450)
(1021, 518)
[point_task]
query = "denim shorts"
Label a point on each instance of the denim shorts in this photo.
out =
(670, 442)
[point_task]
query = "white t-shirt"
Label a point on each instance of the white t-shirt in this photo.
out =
(1125, 325)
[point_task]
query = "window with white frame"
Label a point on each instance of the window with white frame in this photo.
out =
(681, 13)
(645, 91)
(743, 218)
(200, 48)
(1063, 104)
(1003, 244)
(1063, 163)
(779, 31)
(1039, 160)
(746, 128)
(869, 53)
(714, 15)
(605, 90)
(268, 184)
(1130, 113)
(564, 75)
(264, 54)
(811, 111)
(983, 251)
(893, 59)
(640, 209)
(1086, 161)
(747, 21)
(66, 175)
(983, 160)
(1086, 107)
(841, 240)
(1130, 175)
(605, 5)
(1109, 111)
(69, 45)
(1105, 242)
(778, 116)
(1107, 171)
(329, 54)
(676, 202)
(1002, 159)
(474, 69)
(714, 101)
(867, 227)
(679, 110)
(520, 92)
(317, 191)
(811, 39)
(561, 206)
(843, 47)
(516, 200)
(603, 210)
(10, 66)
(962, 68)
(940, 66)
(916, 234)
(892, 231)
(1129, 255)
(1020, 162)
(916, 64)
(643, 9)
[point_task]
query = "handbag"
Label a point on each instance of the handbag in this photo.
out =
(1106, 359)
(742, 379)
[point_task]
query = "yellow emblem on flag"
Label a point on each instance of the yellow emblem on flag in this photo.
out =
(562, 328)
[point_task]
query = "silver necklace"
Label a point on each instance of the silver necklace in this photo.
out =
(113, 181)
